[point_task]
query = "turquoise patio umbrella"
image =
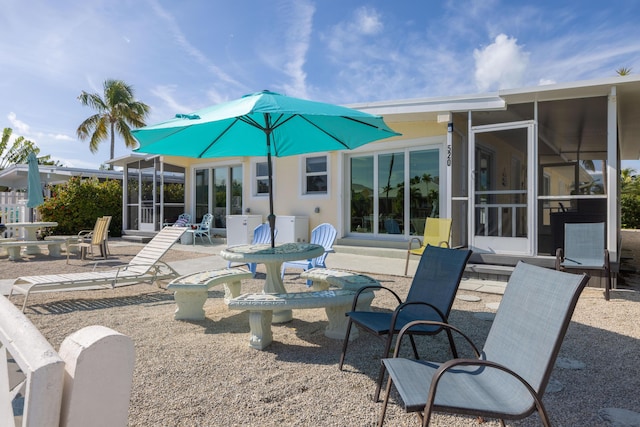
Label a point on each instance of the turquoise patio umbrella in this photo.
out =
(34, 185)
(262, 124)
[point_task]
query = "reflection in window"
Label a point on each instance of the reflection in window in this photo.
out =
(262, 178)
(378, 191)
(424, 195)
(236, 191)
(219, 192)
(202, 194)
(362, 194)
(391, 192)
(315, 175)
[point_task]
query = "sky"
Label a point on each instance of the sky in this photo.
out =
(184, 55)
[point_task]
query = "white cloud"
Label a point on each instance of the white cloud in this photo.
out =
(189, 48)
(367, 21)
(18, 126)
(165, 93)
(299, 26)
(500, 65)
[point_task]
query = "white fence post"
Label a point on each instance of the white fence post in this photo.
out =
(13, 208)
(88, 383)
(38, 382)
(98, 376)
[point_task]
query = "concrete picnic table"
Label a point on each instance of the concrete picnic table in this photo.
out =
(30, 231)
(273, 258)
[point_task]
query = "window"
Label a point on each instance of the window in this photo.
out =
(379, 202)
(315, 175)
(262, 178)
(218, 191)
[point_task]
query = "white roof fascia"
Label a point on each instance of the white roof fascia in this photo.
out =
(433, 105)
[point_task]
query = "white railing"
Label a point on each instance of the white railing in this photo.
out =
(13, 207)
(88, 382)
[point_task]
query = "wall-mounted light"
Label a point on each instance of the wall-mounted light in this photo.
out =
(247, 210)
(317, 210)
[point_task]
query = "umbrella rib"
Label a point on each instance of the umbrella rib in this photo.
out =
(325, 132)
(252, 122)
(217, 138)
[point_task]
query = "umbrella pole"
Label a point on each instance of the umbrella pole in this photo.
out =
(271, 218)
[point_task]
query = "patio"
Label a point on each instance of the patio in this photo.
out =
(203, 372)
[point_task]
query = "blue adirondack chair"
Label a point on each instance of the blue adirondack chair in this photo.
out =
(261, 234)
(325, 235)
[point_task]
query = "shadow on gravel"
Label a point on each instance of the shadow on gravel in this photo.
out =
(68, 306)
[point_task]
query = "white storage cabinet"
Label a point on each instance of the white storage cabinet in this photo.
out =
(292, 229)
(240, 228)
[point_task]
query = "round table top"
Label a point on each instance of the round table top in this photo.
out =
(32, 224)
(262, 253)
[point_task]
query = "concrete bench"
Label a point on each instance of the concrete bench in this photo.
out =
(323, 278)
(190, 291)
(13, 247)
(260, 306)
(66, 240)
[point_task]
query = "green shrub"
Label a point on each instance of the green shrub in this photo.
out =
(630, 211)
(77, 204)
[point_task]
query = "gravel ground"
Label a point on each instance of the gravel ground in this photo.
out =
(202, 373)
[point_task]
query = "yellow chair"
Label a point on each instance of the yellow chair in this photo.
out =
(96, 237)
(437, 232)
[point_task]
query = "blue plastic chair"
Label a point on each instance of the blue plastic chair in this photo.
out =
(261, 234)
(325, 235)
(507, 379)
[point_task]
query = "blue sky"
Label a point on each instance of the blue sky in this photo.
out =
(184, 55)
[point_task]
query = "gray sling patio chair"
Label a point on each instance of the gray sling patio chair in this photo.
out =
(584, 249)
(510, 375)
(430, 297)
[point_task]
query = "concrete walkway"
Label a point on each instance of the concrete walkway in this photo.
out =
(360, 259)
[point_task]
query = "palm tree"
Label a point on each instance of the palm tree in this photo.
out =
(16, 152)
(117, 112)
(623, 71)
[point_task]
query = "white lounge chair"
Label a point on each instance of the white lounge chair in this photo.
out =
(145, 266)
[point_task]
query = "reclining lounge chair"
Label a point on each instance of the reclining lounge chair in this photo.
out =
(145, 266)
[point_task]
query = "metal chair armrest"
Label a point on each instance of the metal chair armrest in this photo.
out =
(414, 239)
(376, 287)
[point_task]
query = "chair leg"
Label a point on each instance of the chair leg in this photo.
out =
(345, 343)
(387, 349)
(413, 346)
(406, 265)
(384, 403)
(452, 344)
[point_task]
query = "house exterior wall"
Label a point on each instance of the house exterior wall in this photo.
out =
(443, 123)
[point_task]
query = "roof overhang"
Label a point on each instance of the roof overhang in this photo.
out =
(16, 176)
(625, 88)
(421, 109)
